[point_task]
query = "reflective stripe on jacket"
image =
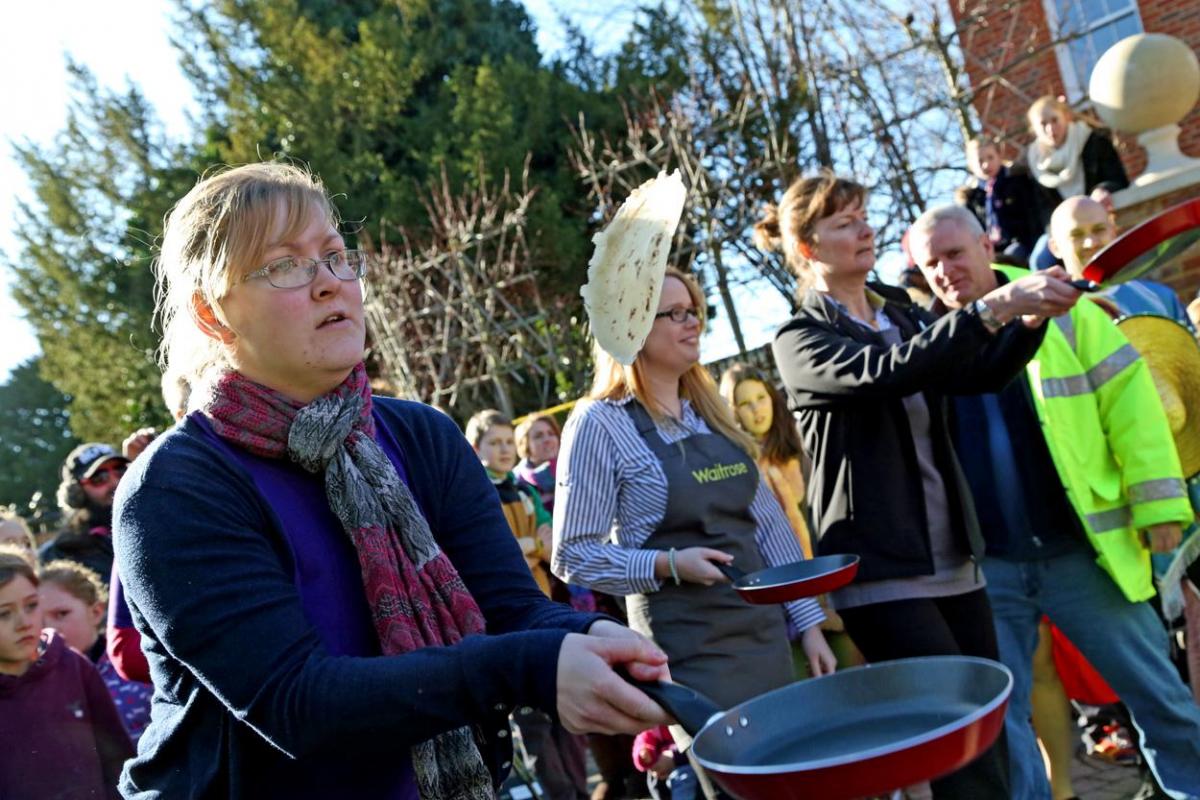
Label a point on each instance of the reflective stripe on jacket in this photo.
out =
(1109, 438)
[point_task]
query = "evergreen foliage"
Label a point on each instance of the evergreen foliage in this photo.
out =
(378, 98)
(34, 437)
(87, 236)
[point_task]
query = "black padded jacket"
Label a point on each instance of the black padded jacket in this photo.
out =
(846, 386)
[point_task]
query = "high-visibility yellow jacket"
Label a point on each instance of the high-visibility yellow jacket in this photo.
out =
(1109, 438)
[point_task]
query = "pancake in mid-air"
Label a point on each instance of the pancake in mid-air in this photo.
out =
(625, 274)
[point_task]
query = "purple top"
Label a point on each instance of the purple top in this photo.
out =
(329, 581)
(540, 478)
(61, 735)
(131, 698)
(118, 609)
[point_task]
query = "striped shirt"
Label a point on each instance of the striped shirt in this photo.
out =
(612, 494)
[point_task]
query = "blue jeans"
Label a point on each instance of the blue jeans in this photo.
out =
(1124, 641)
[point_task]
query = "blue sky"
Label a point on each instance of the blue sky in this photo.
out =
(128, 41)
(117, 41)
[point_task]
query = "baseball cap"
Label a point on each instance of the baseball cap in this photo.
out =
(87, 458)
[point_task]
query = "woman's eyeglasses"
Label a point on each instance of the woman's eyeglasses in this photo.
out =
(679, 315)
(293, 272)
(102, 476)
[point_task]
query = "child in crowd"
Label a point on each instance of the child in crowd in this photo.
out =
(668, 774)
(537, 438)
(1005, 199)
(491, 434)
(14, 530)
(761, 411)
(558, 757)
(74, 603)
(654, 751)
(62, 736)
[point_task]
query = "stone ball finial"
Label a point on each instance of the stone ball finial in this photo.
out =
(1144, 82)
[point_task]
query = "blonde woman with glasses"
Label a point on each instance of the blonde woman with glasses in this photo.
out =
(656, 486)
(329, 598)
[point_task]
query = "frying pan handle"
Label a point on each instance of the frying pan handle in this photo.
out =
(690, 709)
(1084, 285)
(729, 571)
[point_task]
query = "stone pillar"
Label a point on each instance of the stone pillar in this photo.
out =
(1144, 85)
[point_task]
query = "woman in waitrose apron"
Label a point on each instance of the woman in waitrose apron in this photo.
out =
(656, 482)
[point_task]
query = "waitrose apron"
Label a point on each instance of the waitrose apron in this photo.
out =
(717, 643)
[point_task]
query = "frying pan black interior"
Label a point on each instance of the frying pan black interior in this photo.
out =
(842, 718)
(855, 713)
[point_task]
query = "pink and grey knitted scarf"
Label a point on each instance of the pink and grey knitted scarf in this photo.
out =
(417, 598)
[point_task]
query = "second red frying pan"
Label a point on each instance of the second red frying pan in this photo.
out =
(808, 578)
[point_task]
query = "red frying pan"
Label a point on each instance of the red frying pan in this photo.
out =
(1144, 247)
(807, 578)
(857, 733)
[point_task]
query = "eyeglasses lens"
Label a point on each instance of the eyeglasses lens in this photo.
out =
(348, 265)
(679, 315)
(292, 272)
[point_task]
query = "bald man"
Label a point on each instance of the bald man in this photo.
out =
(1079, 229)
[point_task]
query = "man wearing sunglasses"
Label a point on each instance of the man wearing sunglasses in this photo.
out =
(90, 476)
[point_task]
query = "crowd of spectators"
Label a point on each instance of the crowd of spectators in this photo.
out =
(304, 589)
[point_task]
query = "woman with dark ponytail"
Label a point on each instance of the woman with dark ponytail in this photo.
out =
(866, 374)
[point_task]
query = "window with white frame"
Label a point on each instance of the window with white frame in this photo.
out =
(1088, 28)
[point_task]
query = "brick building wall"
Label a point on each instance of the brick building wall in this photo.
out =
(1015, 45)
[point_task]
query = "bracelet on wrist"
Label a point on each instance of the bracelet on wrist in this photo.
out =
(671, 564)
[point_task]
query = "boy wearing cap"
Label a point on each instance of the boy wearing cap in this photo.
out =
(90, 476)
